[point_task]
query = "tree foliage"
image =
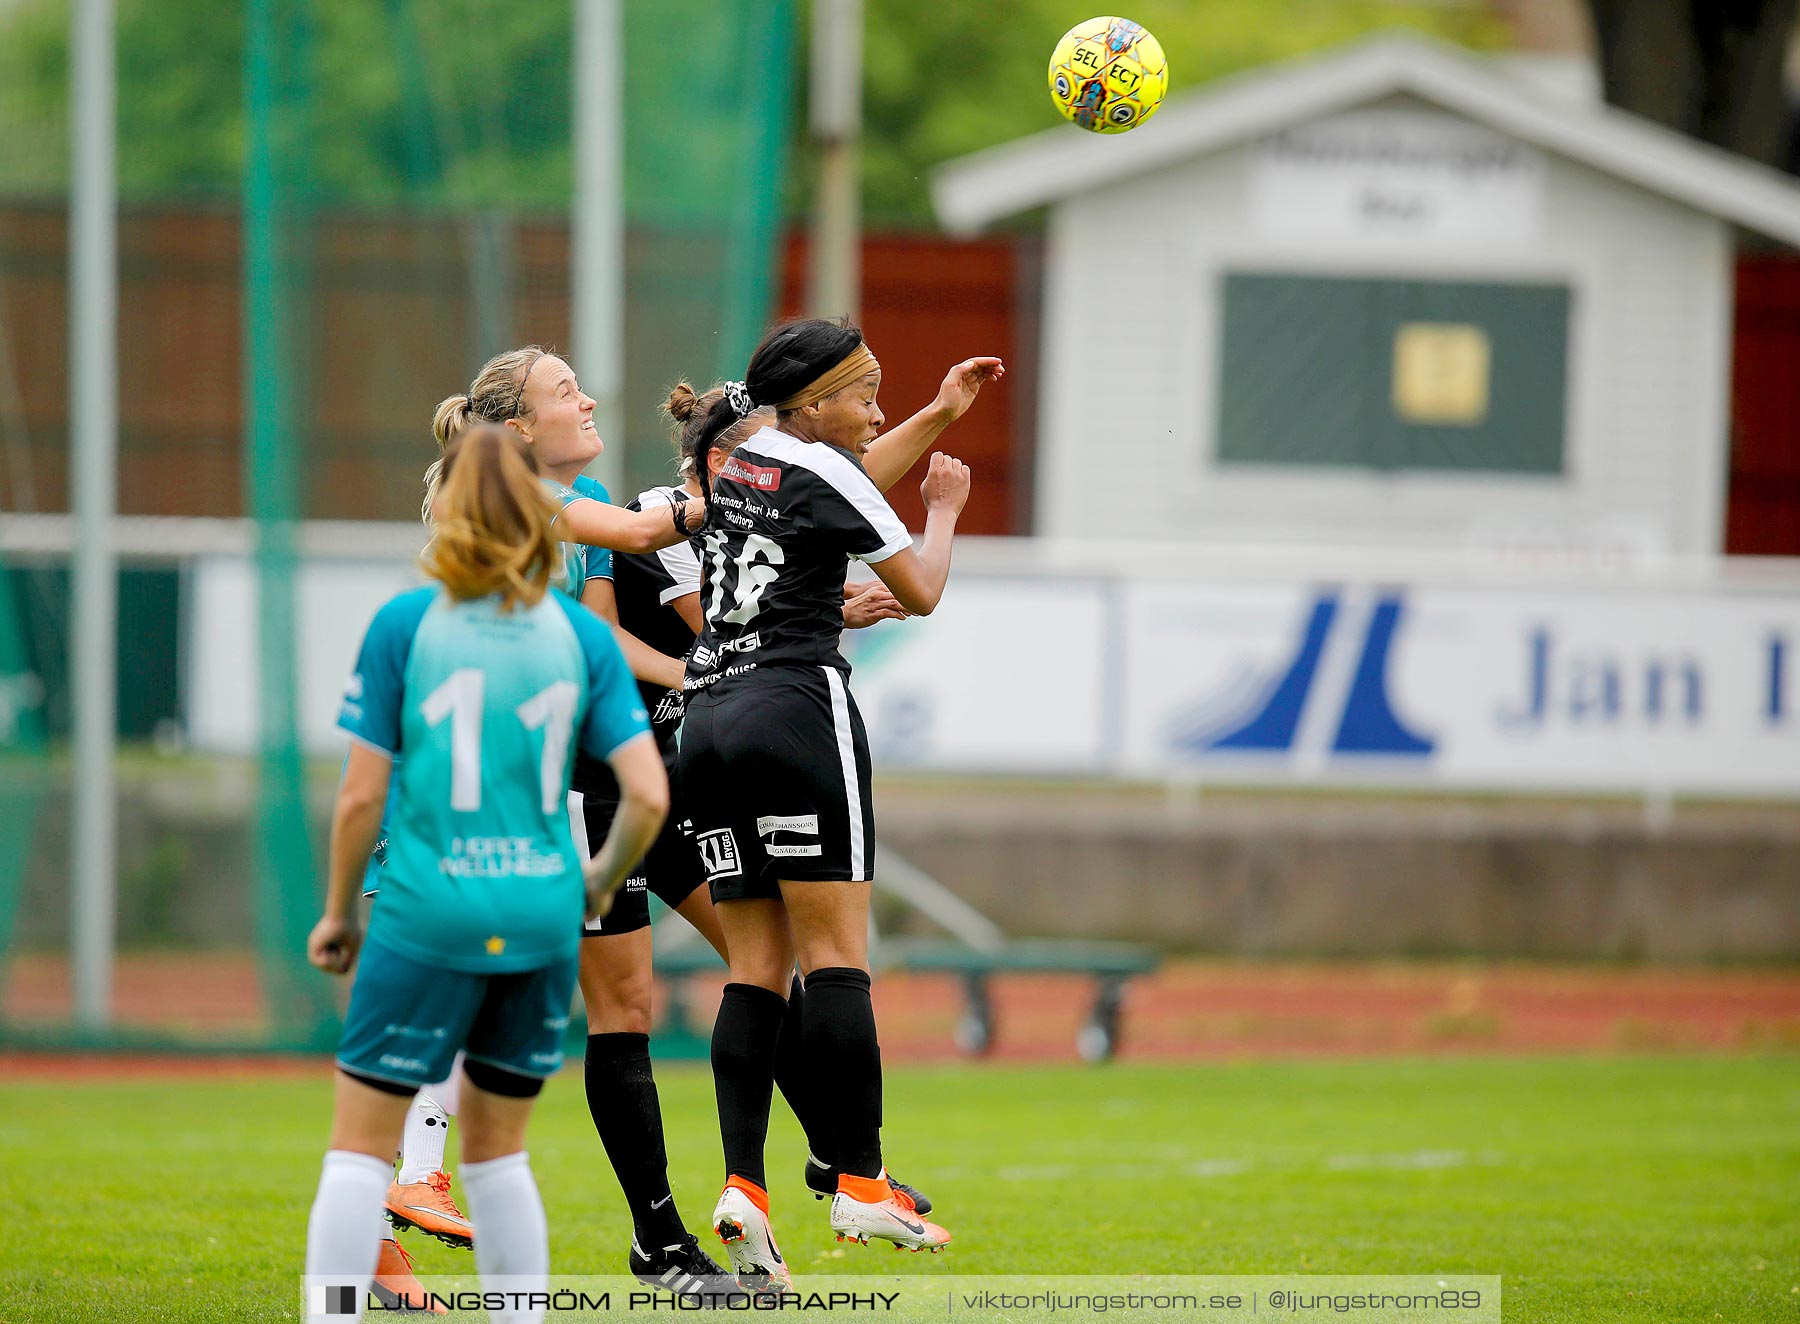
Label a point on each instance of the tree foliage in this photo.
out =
(463, 102)
(432, 100)
(1717, 71)
(973, 74)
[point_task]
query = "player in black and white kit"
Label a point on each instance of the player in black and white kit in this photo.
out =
(655, 597)
(774, 760)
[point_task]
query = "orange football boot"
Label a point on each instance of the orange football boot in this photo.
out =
(866, 1207)
(397, 1288)
(427, 1205)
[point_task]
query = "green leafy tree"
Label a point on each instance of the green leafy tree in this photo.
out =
(972, 74)
(1717, 71)
(434, 100)
(467, 102)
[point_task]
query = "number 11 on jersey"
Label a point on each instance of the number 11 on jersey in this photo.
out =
(462, 699)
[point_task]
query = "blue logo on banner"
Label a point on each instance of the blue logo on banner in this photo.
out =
(1367, 724)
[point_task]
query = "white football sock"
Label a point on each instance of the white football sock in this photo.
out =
(343, 1234)
(447, 1093)
(422, 1143)
(512, 1237)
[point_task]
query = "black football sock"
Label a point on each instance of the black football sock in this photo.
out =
(794, 1077)
(842, 1048)
(743, 1062)
(621, 1095)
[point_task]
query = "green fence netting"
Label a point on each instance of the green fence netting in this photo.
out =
(331, 213)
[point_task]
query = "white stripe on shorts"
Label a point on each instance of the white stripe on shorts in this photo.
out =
(578, 830)
(846, 743)
(578, 825)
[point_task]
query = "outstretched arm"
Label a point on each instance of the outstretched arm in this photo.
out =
(599, 524)
(894, 452)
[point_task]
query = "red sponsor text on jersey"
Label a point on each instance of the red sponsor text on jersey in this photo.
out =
(752, 475)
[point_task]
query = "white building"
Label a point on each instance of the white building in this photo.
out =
(1390, 295)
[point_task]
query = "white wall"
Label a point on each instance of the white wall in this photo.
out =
(1129, 393)
(1137, 661)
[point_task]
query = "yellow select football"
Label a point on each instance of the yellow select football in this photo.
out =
(1108, 75)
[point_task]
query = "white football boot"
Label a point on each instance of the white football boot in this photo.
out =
(744, 1228)
(892, 1219)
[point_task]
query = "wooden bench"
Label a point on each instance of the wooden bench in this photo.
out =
(1111, 965)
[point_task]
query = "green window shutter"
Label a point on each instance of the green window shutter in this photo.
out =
(1325, 371)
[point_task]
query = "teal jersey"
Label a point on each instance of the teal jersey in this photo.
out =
(581, 562)
(482, 711)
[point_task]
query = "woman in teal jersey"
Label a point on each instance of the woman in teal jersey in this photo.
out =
(486, 683)
(534, 395)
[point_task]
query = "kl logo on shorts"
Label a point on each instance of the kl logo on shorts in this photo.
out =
(1331, 694)
(333, 1299)
(719, 853)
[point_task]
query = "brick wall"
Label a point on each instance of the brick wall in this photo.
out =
(1763, 509)
(388, 334)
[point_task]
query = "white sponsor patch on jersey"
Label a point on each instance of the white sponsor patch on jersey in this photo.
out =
(807, 823)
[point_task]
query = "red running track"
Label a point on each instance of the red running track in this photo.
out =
(1189, 1010)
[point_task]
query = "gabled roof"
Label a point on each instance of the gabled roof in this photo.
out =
(975, 190)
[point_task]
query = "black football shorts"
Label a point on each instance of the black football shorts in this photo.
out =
(775, 778)
(670, 869)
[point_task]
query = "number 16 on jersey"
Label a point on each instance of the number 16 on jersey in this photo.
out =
(752, 571)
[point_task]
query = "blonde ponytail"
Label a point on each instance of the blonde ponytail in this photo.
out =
(454, 414)
(493, 534)
(496, 395)
(434, 477)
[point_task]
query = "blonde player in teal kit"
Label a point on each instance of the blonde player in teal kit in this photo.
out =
(533, 393)
(485, 682)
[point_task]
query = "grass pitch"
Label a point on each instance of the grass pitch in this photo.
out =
(1654, 1188)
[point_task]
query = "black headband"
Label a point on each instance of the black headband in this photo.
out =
(518, 403)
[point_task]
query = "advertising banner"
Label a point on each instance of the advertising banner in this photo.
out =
(1465, 687)
(1007, 675)
(1528, 689)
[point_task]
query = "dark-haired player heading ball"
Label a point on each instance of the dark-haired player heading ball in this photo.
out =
(655, 596)
(774, 760)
